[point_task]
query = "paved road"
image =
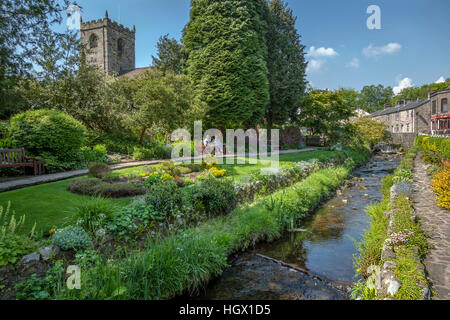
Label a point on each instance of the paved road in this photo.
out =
(436, 224)
(35, 180)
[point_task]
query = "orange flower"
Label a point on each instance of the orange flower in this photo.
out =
(52, 230)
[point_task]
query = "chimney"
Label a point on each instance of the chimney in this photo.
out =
(408, 100)
(387, 106)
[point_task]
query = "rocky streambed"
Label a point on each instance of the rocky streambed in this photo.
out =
(315, 260)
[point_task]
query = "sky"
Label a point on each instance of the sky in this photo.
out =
(412, 46)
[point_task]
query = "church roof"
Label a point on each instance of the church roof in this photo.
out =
(135, 72)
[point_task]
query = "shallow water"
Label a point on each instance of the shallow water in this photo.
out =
(316, 261)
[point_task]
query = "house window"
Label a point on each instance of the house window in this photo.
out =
(397, 116)
(407, 128)
(387, 118)
(396, 128)
(444, 105)
(93, 41)
(433, 107)
(407, 115)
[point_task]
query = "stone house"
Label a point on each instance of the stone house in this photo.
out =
(408, 116)
(440, 116)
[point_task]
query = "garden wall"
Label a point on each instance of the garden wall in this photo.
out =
(405, 139)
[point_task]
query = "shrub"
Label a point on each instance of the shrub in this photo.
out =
(217, 172)
(13, 247)
(99, 170)
(441, 187)
(165, 198)
(439, 145)
(212, 196)
(41, 289)
(149, 152)
(156, 177)
(96, 187)
(72, 238)
(48, 134)
(134, 218)
(94, 214)
(97, 153)
(184, 170)
(194, 167)
(170, 168)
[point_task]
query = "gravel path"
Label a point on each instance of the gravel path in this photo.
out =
(436, 224)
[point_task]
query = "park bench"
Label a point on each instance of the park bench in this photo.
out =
(11, 158)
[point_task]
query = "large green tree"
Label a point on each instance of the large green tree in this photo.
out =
(373, 98)
(286, 64)
(22, 26)
(325, 113)
(225, 42)
(171, 55)
(158, 102)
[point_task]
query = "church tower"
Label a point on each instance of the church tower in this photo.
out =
(110, 46)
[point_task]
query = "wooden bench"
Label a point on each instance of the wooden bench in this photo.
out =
(12, 158)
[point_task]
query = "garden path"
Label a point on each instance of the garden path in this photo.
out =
(436, 224)
(35, 180)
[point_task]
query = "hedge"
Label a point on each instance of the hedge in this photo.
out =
(435, 144)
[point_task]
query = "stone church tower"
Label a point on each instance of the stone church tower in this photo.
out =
(110, 46)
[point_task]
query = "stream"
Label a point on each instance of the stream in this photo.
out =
(314, 261)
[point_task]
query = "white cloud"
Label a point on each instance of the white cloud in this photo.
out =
(354, 63)
(314, 65)
(390, 48)
(402, 84)
(322, 52)
(440, 80)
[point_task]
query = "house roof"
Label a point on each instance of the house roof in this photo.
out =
(409, 106)
(135, 72)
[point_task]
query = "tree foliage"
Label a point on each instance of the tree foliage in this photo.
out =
(369, 131)
(23, 24)
(373, 98)
(171, 55)
(285, 63)
(158, 102)
(420, 92)
(325, 113)
(227, 60)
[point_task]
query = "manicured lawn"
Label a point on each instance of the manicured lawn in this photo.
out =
(239, 171)
(51, 205)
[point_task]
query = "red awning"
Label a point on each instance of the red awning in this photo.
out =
(441, 117)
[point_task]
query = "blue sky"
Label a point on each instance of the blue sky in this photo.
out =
(411, 48)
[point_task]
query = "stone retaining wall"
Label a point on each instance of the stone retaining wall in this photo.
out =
(388, 284)
(405, 139)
